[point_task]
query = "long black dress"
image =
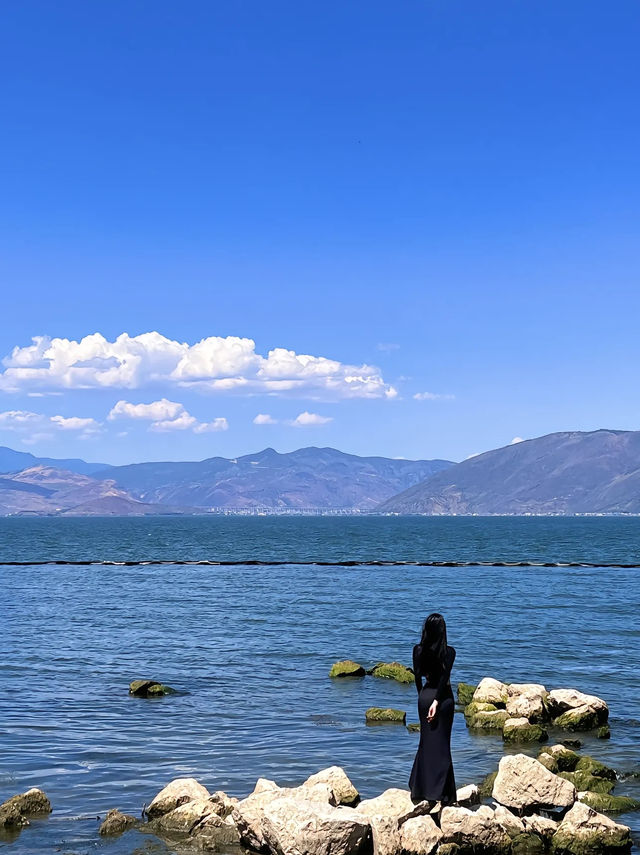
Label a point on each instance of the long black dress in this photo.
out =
(432, 775)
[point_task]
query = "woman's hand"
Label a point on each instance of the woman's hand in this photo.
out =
(432, 711)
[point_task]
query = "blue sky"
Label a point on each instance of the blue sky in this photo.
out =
(433, 199)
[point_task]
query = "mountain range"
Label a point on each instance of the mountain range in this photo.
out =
(571, 472)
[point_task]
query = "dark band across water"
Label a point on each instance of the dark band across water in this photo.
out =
(310, 563)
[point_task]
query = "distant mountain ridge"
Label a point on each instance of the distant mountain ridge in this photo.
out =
(16, 461)
(572, 472)
(314, 478)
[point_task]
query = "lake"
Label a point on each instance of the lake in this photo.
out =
(250, 647)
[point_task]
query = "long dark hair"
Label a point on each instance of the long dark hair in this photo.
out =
(432, 649)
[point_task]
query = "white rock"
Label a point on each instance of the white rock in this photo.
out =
(511, 823)
(473, 829)
(490, 691)
(392, 802)
(526, 699)
(595, 831)
(541, 825)
(469, 795)
(186, 817)
(178, 792)
(523, 782)
(335, 776)
(560, 700)
(419, 835)
(296, 826)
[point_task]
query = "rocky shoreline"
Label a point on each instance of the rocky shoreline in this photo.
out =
(536, 808)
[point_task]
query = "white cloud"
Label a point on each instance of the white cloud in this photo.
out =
(265, 419)
(165, 416)
(216, 363)
(516, 440)
(387, 346)
(26, 422)
(309, 420)
(155, 411)
(432, 396)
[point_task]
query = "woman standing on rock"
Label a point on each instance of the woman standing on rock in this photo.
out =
(432, 777)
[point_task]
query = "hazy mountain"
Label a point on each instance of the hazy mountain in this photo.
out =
(44, 490)
(16, 461)
(307, 478)
(561, 473)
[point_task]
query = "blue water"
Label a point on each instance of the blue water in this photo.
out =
(252, 646)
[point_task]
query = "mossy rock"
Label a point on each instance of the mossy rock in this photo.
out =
(595, 767)
(490, 720)
(585, 781)
(524, 733)
(159, 689)
(414, 727)
(393, 671)
(465, 693)
(566, 842)
(566, 759)
(577, 719)
(573, 744)
(149, 689)
(448, 849)
(485, 787)
(604, 732)
(478, 706)
(549, 762)
(347, 668)
(385, 714)
(527, 844)
(605, 802)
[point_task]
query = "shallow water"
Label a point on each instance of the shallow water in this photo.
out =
(251, 648)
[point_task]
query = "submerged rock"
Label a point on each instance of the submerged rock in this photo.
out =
(374, 714)
(15, 811)
(393, 671)
(347, 668)
(604, 732)
(522, 730)
(524, 783)
(580, 718)
(116, 822)
(149, 689)
(595, 767)
(608, 803)
(585, 781)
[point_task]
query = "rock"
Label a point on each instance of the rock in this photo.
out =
(335, 777)
(393, 671)
(448, 849)
(580, 718)
(566, 759)
(419, 835)
(469, 795)
(222, 803)
(562, 700)
(217, 833)
(490, 720)
(149, 689)
(347, 668)
(414, 727)
(541, 825)
(521, 730)
(527, 844)
(380, 714)
(526, 700)
(473, 830)
(464, 693)
(522, 782)
(604, 732)
(185, 818)
(116, 822)
(296, 826)
(574, 744)
(478, 706)
(10, 817)
(511, 823)
(595, 767)
(608, 803)
(548, 761)
(392, 802)
(178, 792)
(485, 787)
(583, 831)
(585, 781)
(490, 691)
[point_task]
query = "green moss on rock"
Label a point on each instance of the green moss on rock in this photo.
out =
(478, 706)
(414, 727)
(485, 787)
(385, 714)
(347, 668)
(583, 718)
(527, 844)
(465, 693)
(585, 781)
(521, 733)
(159, 689)
(566, 842)
(604, 732)
(490, 720)
(549, 762)
(595, 767)
(606, 803)
(393, 671)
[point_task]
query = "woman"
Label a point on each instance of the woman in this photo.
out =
(432, 776)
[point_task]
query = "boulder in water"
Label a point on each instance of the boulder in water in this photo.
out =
(380, 714)
(522, 730)
(347, 668)
(584, 831)
(490, 691)
(116, 822)
(177, 793)
(15, 811)
(464, 693)
(393, 671)
(524, 783)
(149, 689)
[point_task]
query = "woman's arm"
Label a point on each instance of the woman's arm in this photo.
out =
(446, 673)
(416, 674)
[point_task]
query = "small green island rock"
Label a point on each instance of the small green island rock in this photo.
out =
(385, 714)
(465, 693)
(347, 668)
(522, 730)
(608, 803)
(149, 689)
(393, 671)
